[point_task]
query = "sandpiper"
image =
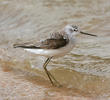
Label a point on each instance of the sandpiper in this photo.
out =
(59, 44)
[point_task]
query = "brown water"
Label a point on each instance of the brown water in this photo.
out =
(85, 69)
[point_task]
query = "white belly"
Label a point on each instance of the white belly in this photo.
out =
(52, 52)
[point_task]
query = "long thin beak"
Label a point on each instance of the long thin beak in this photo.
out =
(88, 34)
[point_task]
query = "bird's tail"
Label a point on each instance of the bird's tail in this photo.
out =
(25, 46)
(18, 45)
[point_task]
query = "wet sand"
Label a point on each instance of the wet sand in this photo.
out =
(20, 85)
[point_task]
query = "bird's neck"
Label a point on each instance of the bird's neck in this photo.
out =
(71, 39)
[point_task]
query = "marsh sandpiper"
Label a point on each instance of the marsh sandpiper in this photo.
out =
(57, 45)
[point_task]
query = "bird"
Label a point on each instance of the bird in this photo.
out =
(57, 45)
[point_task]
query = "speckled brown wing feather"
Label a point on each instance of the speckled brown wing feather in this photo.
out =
(47, 44)
(54, 42)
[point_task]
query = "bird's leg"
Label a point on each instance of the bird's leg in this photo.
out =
(48, 73)
(54, 78)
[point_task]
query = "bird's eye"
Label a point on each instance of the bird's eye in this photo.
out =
(75, 29)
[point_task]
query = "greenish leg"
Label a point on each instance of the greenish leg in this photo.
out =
(48, 73)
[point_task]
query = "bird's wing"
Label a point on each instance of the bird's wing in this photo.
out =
(46, 44)
(54, 42)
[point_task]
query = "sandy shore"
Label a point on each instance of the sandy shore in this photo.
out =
(19, 85)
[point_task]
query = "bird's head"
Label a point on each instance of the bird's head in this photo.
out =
(73, 30)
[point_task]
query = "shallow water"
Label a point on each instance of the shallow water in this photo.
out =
(86, 66)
